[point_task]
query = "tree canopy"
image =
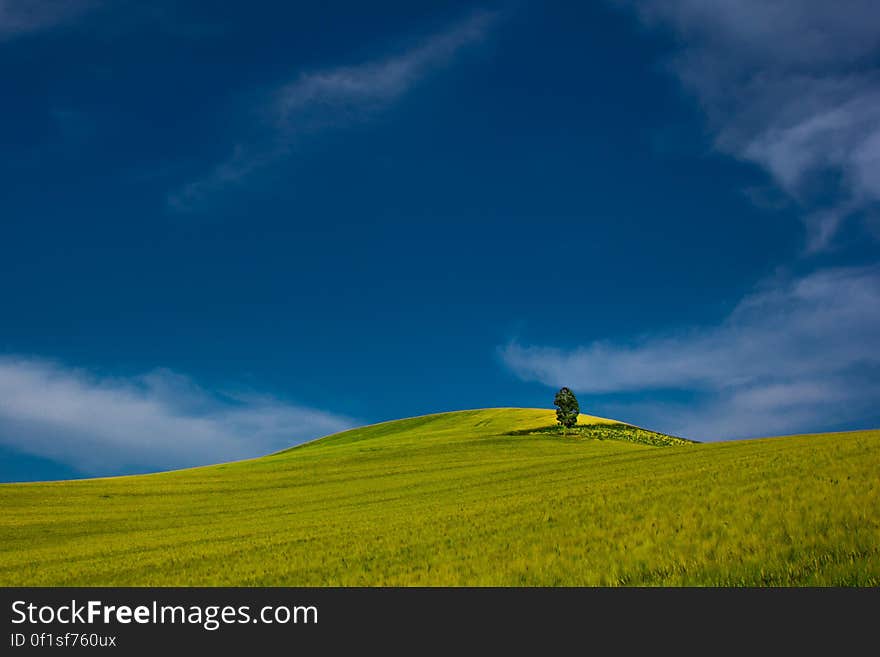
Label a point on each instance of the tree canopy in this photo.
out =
(567, 409)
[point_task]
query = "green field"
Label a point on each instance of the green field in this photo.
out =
(487, 497)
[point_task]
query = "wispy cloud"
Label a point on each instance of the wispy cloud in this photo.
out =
(19, 17)
(798, 354)
(331, 97)
(791, 86)
(160, 420)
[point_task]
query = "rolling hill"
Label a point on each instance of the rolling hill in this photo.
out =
(484, 497)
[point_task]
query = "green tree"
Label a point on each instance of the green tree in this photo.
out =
(567, 408)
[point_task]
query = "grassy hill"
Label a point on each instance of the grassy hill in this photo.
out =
(489, 497)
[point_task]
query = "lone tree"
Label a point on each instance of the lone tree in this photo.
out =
(567, 408)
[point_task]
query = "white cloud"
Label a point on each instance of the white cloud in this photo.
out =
(330, 97)
(794, 355)
(372, 83)
(160, 420)
(792, 86)
(19, 17)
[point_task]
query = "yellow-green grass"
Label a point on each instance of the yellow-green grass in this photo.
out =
(455, 499)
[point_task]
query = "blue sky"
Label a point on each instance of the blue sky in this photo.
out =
(227, 230)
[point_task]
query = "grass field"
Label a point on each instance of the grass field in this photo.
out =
(469, 498)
